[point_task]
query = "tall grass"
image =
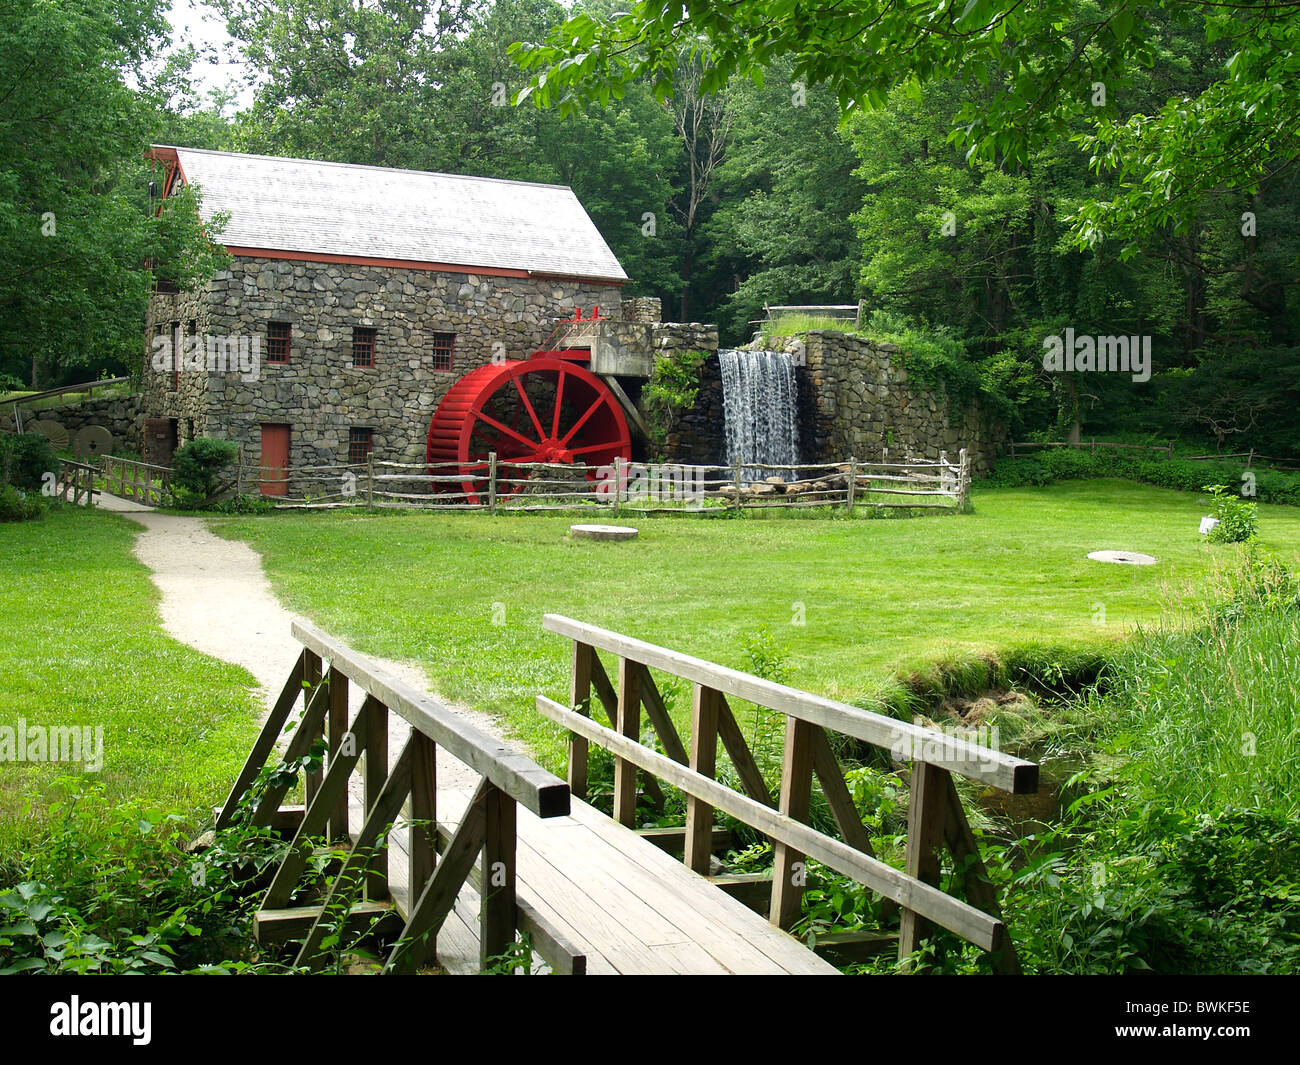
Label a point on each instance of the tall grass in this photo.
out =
(1207, 708)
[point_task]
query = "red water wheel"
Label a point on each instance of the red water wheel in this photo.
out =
(534, 410)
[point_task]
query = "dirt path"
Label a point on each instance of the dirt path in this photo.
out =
(216, 598)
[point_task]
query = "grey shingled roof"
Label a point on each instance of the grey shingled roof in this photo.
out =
(302, 205)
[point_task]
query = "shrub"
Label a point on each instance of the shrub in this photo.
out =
(1237, 520)
(25, 458)
(1062, 464)
(199, 467)
(17, 505)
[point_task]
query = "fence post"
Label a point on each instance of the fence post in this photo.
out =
(1250, 458)
(370, 481)
(963, 481)
(853, 483)
(737, 484)
(492, 482)
(239, 473)
(618, 483)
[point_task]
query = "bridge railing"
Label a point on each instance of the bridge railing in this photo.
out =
(76, 482)
(936, 817)
(142, 482)
(440, 861)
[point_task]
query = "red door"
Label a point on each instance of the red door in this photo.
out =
(275, 460)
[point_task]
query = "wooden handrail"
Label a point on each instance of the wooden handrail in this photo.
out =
(936, 818)
(975, 926)
(902, 738)
(321, 677)
(517, 775)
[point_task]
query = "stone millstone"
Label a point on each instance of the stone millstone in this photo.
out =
(1126, 558)
(603, 532)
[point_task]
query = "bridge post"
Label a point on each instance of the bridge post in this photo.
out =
(788, 869)
(704, 758)
(497, 916)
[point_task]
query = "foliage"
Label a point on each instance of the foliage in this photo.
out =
(1047, 60)
(1051, 465)
(80, 242)
(199, 467)
(26, 459)
(18, 505)
(1237, 519)
(671, 389)
(113, 889)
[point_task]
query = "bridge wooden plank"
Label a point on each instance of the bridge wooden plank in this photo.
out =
(720, 911)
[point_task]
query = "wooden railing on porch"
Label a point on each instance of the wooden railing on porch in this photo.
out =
(935, 816)
(323, 672)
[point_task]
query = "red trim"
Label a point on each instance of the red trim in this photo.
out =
(405, 264)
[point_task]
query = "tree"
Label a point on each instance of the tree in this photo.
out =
(78, 228)
(1058, 61)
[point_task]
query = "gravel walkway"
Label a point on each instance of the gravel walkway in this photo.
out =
(217, 599)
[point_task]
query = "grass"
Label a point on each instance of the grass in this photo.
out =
(463, 595)
(84, 646)
(65, 399)
(789, 325)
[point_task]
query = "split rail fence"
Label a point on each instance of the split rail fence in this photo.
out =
(359, 899)
(935, 820)
(499, 486)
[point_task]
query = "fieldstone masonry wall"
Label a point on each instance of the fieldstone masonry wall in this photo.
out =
(857, 400)
(318, 392)
(122, 416)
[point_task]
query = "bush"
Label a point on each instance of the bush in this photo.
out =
(17, 505)
(25, 458)
(1063, 464)
(1237, 520)
(199, 467)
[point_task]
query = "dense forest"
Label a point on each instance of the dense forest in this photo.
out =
(722, 185)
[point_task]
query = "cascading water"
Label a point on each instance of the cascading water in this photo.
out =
(758, 403)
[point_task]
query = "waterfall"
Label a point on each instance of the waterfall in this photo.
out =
(758, 402)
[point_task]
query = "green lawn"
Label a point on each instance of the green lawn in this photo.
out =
(83, 646)
(874, 596)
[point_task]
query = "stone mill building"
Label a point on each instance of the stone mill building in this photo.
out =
(355, 298)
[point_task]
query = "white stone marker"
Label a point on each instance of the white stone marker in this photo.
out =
(603, 532)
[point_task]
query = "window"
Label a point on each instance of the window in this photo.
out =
(278, 335)
(363, 346)
(444, 345)
(359, 442)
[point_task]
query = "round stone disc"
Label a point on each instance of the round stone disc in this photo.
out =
(52, 430)
(603, 532)
(92, 440)
(1125, 558)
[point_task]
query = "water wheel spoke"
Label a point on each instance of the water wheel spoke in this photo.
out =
(530, 444)
(559, 402)
(600, 400)
(537, 423)
(592, 447)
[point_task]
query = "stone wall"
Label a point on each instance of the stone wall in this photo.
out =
(183, 396)
(123, 416)
(856, 399)
(319, 393)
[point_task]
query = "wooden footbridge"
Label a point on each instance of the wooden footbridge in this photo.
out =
(447, 876)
